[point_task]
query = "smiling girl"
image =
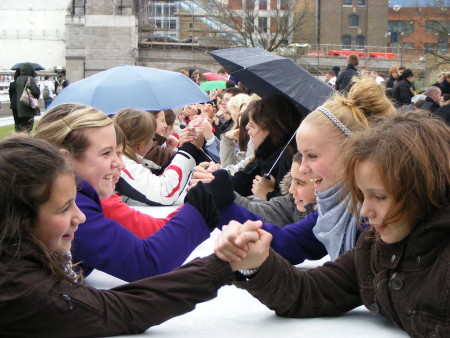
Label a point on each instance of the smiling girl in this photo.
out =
(139, 128)
(399, 172)
(89, 136)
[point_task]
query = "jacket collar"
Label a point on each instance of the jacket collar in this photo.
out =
(420, 248)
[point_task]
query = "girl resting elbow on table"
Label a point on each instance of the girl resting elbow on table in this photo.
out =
(89, 136)
(139, 128)
(399, 173)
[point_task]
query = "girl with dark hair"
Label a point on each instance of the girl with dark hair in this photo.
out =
(403, 91)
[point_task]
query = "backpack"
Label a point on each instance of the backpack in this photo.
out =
(46, 92)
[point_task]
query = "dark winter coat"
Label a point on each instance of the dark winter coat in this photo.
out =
(391, 82)
(12, 95)
(402, 92)
(430, 105)
(34, 304)
(407, 282)
(27, 71)
(444, 113)
(445, 87)
(344, 79)
(265, 157)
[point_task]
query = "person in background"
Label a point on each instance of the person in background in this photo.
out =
(445, 85)
(444, 111)
(433, 99)
(336, 70)
(60, 83)
(343, 81)
(403, 92)
(13, 100)
(439, 80)
(222, 72)
(330, 78)
(297, 201)
(390, 83)
(25, 113)
(47, 91)
(374, 75)
(139, 128)
(194, 75)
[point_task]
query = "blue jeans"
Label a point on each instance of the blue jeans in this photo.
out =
(47, 102)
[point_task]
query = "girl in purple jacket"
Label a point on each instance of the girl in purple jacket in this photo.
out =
(89, 137)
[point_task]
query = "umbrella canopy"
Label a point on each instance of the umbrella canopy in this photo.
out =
(17, 66)
(213, 76)
(132, 87)
(268, 74)
(209, 85)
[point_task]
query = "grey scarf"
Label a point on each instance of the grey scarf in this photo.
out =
(336, 227)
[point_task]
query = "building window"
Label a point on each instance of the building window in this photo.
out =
(263, 5)
(360, 3)
(284, 5)
(346, 42)
(429, 47)
(353, 20)
(442, 46)
(360, 41)
(262, 24)
(401, 26)
(347, 2)
(442, 27)
(250, 4)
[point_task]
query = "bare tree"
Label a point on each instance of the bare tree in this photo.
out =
(432, 16)
(268, 24)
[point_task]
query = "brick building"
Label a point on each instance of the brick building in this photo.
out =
(352, 24)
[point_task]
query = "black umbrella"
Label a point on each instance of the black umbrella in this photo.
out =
(17, 66)
(268, 74)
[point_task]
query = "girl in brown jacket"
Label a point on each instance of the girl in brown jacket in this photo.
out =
(399, 172)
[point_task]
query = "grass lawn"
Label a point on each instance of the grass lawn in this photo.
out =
(6, 131)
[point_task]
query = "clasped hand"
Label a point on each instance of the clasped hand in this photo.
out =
(244, 246)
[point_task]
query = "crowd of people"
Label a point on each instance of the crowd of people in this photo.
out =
(364, 178)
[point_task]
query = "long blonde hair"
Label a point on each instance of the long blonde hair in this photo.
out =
(365, 104)
(138, 126)
(64, 125)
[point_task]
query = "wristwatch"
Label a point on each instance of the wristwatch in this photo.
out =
(249, 273)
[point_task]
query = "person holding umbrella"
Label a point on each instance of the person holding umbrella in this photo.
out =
(25, 113)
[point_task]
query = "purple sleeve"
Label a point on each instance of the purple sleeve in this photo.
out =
(295, 242)
(104, 244)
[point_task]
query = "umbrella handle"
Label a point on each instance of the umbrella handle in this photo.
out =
(266, 176)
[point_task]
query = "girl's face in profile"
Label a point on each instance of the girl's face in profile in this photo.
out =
(257, 135)
(320, 155)
(99, 165)
(161, 124)
(59, 217)
(377, 203)
(301, 189)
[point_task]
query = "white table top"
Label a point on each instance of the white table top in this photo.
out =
(235, 313)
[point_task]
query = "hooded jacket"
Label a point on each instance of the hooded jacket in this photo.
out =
(406, 282)
(27, 71)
